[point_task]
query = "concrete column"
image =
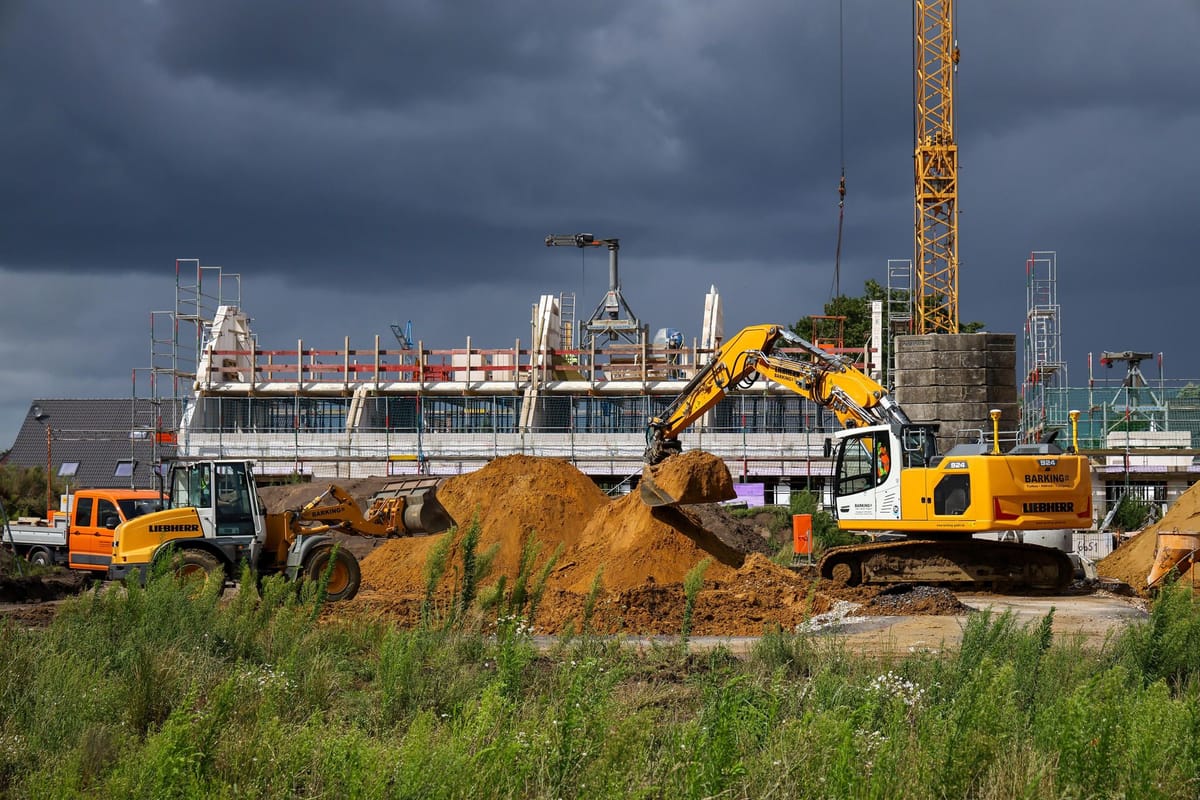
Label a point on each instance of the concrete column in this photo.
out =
(955, 380)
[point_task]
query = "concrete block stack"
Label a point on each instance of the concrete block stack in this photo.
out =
(955, 380)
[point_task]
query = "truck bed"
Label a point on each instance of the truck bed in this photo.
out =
(47, 535)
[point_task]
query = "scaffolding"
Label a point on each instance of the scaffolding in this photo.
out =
(1044, 386)
(177, 340)
(899, 311)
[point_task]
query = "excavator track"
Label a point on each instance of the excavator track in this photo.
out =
(975, 563)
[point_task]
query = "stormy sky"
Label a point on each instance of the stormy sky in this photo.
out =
(365, 163)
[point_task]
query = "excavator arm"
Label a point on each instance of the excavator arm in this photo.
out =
(825, 378)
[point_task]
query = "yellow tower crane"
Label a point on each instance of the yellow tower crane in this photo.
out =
(936, 210)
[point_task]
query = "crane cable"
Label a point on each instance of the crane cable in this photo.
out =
(837, 260)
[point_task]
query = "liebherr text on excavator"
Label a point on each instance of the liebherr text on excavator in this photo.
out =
(890, 477)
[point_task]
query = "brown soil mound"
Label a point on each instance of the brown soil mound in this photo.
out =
(642, 555)
(634, 545)
(514, 498)
(1131, 561)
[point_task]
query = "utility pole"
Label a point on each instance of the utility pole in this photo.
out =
(41, 417)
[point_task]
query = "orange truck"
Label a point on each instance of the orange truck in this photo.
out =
(82, 537)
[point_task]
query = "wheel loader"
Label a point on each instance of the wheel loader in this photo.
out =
(214, 522)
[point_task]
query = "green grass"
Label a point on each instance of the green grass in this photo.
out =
(160, 692)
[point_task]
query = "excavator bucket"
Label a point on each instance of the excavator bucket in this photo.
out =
(686, 479)
(423, 512)
(1173, 551)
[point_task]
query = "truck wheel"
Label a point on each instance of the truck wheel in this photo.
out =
(345, 577)
(190, 564)
(40, 557)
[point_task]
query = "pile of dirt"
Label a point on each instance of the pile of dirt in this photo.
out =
(640, 555)
(909, 600)
(1131, 562)
(689, 478)
(19, 585)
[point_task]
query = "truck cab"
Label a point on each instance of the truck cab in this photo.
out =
(95, 513)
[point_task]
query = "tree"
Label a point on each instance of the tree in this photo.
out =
(857, 313)
(23, 490)
(1132, 514)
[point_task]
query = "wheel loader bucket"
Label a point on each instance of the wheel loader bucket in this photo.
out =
(423, 512)
(1173, 550)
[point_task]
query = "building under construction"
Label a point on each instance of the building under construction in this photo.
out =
(583, 390)
(578, 389)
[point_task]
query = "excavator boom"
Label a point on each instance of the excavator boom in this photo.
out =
(825, 378)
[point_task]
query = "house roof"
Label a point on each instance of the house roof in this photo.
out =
(97, 435)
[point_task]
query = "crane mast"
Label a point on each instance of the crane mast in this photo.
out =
(935, 261)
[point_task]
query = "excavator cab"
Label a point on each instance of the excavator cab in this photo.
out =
(919, 445)
(867, 476)
(877, 467)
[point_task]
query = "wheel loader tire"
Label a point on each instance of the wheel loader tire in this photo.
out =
(345, 576)
(198, 565)
(40, 557)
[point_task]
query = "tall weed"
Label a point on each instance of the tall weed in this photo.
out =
(1167, 647)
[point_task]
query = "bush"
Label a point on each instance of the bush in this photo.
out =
(23, 490)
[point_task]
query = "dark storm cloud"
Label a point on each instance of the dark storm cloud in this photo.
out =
(292, 138)
(413, 154)
(373, 55)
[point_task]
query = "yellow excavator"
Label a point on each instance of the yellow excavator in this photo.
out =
(889, 476)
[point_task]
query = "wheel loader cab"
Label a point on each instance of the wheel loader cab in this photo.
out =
(223, 494)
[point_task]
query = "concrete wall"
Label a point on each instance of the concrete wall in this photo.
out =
(955, 380)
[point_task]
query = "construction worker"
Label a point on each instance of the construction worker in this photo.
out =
(883, 461)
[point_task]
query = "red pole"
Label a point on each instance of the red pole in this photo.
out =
(49, 486)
